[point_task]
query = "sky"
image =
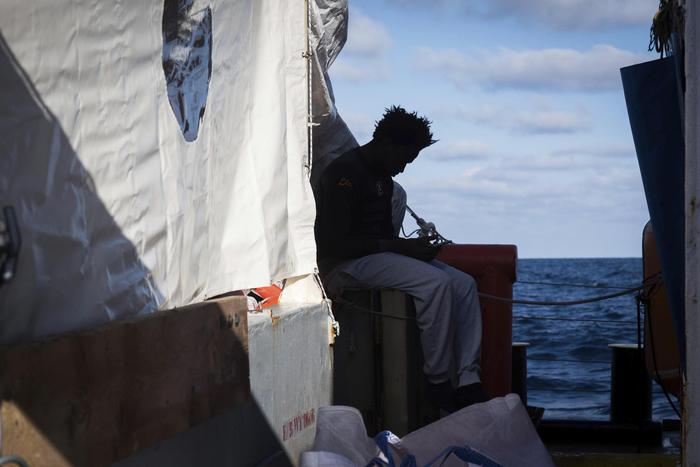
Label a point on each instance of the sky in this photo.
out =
(526, 101)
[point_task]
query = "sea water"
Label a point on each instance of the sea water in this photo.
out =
(569, 361)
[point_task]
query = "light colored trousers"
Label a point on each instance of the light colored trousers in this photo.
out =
(447, 308)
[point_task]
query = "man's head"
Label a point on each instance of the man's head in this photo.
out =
(400, 136)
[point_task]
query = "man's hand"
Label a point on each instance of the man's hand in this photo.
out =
(418, 248)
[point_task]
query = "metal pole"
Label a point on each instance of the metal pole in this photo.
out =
(519, 370)
(691, 417)
(630, 385)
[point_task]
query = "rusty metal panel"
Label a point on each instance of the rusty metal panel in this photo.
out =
(94, 397)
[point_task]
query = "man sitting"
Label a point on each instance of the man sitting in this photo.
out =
(358, 246)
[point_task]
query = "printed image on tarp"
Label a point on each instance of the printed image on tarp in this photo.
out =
(187, 61)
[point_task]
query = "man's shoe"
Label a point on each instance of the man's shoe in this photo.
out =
(470, 394)
(441, 395)
(535, 413)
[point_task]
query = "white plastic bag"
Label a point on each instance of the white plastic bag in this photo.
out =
(341, 430)
(325, 459)
(499, 429)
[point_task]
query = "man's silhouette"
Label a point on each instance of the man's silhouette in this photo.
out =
(358, 245)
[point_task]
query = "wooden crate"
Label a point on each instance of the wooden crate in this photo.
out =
(94, 397)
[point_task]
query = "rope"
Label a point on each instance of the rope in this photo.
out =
(645, 285)
(334, 322)
(364, 310)
(645, 300)
(308, 54)
(668, 19)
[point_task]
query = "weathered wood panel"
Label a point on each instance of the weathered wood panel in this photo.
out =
(98, 396)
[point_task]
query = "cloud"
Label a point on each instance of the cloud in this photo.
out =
(517, 199)
(547, 163)
(582, 160)
(359, 71)
(577, 14)
(531, 176)
(538, 119)
(546, 69)
(517, 195)
(364, 57)
(556, 14)
(361, 125)
(366, 36)
(445, 151)
(623, 151)
(484, 183)
(549, 121)
(549, 186)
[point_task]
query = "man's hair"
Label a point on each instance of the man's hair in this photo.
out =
(403, 128)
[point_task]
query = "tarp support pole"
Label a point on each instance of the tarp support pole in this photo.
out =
(691, 409)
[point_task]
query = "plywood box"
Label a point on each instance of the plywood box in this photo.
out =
(94, 397)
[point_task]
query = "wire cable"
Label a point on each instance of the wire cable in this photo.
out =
(409, 235)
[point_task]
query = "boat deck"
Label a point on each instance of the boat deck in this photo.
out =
(618, 455)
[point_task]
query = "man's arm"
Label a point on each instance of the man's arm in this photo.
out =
(418, 248)
(337, 207)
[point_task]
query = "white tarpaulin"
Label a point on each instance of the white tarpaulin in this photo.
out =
(329, 29)
(136, 192)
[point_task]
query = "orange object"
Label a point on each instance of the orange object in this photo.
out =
(494, 269)
(665, 361)
(270, 295)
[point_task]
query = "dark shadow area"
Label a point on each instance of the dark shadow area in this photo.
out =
(241, 437)
(76, 268)
(170, 389)
(384, 380)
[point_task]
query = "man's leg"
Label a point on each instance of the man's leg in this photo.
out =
(432, 291)
(467, 340)
(467, 322)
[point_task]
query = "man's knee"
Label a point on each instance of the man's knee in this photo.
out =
(440, 279)
(463, 282)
